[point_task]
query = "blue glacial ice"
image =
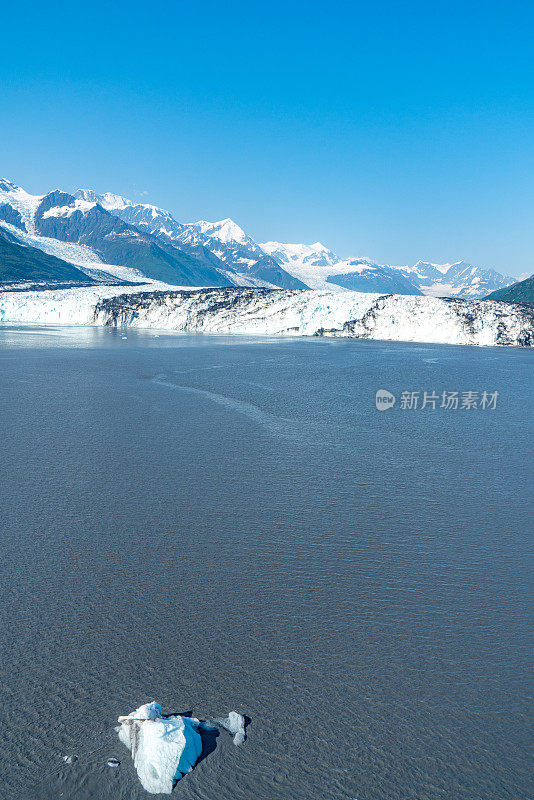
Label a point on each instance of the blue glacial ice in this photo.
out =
(164, 749)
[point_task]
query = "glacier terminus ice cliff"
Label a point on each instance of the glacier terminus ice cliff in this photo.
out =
(278, 312)
(100, 259)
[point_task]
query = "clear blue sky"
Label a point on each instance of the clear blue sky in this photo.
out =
(397, 130)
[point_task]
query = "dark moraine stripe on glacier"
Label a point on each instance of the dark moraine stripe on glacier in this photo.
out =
(121, 308)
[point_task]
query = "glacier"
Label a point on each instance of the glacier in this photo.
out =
(223, 251)
(322, 313)
(278, 312)
(320, 268)
(163, 749)
(314, 265)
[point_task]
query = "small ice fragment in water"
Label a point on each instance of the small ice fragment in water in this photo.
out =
(234, 723)
(163, 749)
(113, 762)
(70, 759)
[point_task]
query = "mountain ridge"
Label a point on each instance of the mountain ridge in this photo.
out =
(60, 215)
(222, 245)
(21, 263)
(148, 239)
(520, 292)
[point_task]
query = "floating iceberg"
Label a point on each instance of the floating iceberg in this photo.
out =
(164, 749)
(234, 723)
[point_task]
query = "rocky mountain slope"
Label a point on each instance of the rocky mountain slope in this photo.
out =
(61, 216)
(521, 292)
(223, 245)
(148, 239)
(20, 264)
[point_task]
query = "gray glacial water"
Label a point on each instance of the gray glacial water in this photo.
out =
(228, 523)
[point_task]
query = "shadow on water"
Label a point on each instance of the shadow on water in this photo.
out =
(209, 743)
(208, 733)
(208, 737)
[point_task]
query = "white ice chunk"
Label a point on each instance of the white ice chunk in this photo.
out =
(234, 723)
(163, 748)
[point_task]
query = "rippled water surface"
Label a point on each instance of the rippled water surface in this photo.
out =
(224, 523)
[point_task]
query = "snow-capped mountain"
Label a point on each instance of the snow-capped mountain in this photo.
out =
(309, 254)
(221, 245)
(238, 252)
(83, 221)
(460, 279)
(150, 242)
(321, 268)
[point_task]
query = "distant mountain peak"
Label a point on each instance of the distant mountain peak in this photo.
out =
(155, 211)
(220, 251)
(83, 206)
(299, 252)
(108, 200)
(226, 230)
